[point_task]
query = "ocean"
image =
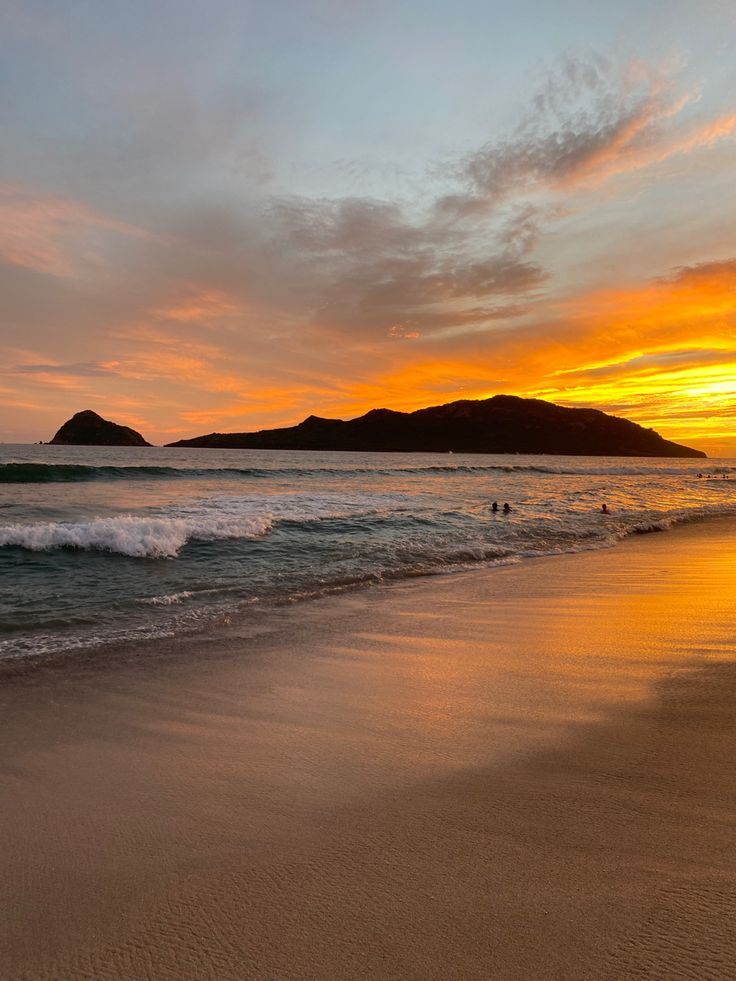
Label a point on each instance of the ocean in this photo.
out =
(101, 546)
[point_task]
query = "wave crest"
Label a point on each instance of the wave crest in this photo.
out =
(136, 537)
(168, 599)
(44, 473)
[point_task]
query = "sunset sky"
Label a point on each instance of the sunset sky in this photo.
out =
(229, 215)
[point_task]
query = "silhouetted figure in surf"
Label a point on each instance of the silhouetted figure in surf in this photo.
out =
(494, 506)
(604, 509)
(507, 508)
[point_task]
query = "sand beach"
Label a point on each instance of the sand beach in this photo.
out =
(517, 773)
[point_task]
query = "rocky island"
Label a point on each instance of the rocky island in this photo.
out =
(89, 429)
(502, 424)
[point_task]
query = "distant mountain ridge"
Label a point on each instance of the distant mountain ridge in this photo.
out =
(88, 429)
(502, 424)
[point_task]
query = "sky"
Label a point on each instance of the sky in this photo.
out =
(227, 216)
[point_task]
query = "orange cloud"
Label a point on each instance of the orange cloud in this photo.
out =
(623, 155)
(200, 306)
(49, 233)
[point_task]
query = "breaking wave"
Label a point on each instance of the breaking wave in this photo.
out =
(136, 537)
(168, 599)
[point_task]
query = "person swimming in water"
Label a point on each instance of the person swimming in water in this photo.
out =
(494, 506)
(507, 508)
(604, 509)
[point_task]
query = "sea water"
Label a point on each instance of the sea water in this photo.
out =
(106, 545)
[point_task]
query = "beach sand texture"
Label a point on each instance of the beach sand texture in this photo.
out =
(521, 773)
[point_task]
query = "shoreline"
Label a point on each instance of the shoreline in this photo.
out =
(521, 772)
(254, 615)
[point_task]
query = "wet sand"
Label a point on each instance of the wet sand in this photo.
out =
(525, 772)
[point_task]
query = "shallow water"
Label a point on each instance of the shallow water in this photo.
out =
(99, 545)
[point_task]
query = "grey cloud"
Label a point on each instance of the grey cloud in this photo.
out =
(88, 369)
(572, 79)
(348, 225)
(537, 158)
(384, 292)
(373, 264)
(721, 269)
(520, 233)
(356, 266)
(588, 115)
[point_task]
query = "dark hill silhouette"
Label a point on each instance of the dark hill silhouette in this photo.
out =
(502, 424)
(88, 429)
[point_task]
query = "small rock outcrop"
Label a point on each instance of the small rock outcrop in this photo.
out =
(88, 429)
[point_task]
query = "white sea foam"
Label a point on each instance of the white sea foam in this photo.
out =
(138, 537)
(217, 518)
(170, 599)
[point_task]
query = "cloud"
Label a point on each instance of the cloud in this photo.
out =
(90, 369)
(719, 273)
(368, 265)
(348, 225)
(592, 120)
(659, 362)
(52, 234)
(405, 332)
(203, 306)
